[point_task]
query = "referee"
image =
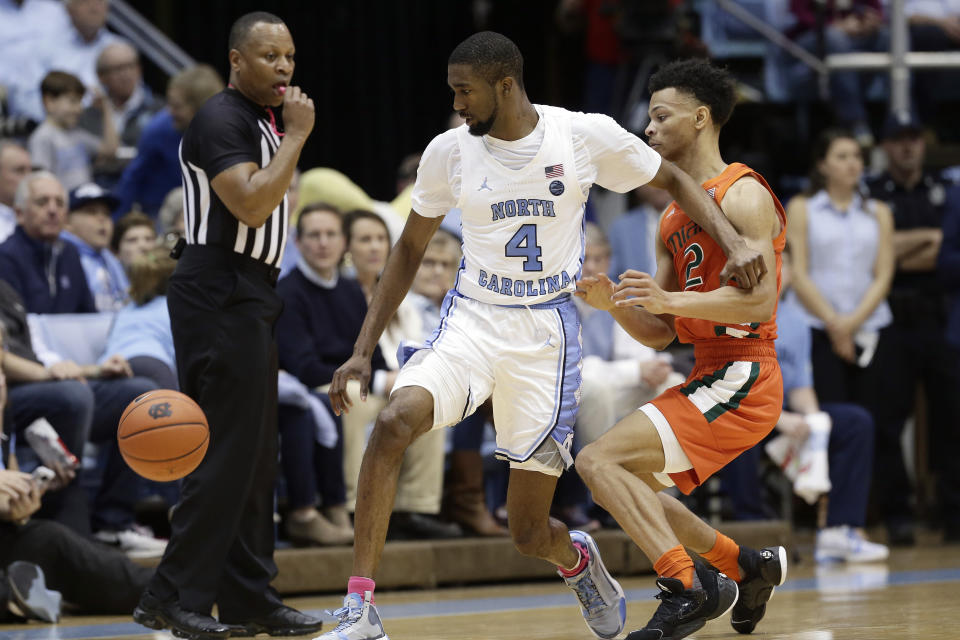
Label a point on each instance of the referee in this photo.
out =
(237, 159)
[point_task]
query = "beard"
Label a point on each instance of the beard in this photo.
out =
(483, 127)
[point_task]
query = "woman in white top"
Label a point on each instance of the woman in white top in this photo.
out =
(842, 248)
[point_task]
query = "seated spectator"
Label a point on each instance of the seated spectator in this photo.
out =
(291, 254)
(632, 236)
(315, 333)
(849, 449)
(853, 25)
(86, 37)
(44, 270)
(25, 27)
(90, 229)
(90, 577)
(170, 221)
(14, 166)
(133, 237)
(130, 102)
(842, 248)
(141, 330)
(58, 144)
(464, 500)
(155, 170)
(83, 403)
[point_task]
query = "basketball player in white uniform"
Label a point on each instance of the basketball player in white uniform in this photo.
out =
(520, 173)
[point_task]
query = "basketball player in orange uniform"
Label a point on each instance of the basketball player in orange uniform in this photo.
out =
(733, 397)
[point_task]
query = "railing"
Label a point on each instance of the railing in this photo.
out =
(150, 41)
(900, 61)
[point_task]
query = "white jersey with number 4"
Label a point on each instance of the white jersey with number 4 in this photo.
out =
(522, 201)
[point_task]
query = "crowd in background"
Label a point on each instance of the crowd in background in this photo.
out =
(90, 203)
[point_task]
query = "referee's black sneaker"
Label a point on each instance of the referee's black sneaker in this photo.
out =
(153, 613)
(760, 573)
(282, 621)
(684, 611)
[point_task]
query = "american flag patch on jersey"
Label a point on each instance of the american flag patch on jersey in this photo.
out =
(553, 171)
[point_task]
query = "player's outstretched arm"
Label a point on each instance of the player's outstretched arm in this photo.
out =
(750, 209)
(744, 263)
(391, 289)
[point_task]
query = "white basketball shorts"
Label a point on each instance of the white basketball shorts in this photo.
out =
(527, 358)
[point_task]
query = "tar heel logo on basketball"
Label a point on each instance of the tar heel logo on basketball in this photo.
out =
(160, 410)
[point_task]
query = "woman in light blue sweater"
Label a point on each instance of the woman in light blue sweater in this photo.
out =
(141, 332)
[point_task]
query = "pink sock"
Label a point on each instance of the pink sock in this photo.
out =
(359, 584)
(584, 559)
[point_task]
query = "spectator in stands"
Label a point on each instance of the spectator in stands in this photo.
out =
(843, 257)
(58, 144)
(632, 236)
(130, 102)
(848, 26)
(82, 402)
(170, 219)
(849, 447)
(156, 168)
(43, 269)
(91, 578)
(89, 230)
(141, 330)
(87, 37)
(934, 26)
(14, 166)
(25, 27)
(918, 347)
(464, 502)
(321, 317)
(133, 237)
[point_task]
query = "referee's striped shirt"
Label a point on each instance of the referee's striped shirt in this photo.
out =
(227, 130)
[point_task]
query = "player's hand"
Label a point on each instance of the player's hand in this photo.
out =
(19, 495)
(66, 370)
(596, 291)
(116, 366)
(638, 289)
(298, 113)
(745, 265)
(356, 368)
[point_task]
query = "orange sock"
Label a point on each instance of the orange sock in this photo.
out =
(676, 563)
(725, 556)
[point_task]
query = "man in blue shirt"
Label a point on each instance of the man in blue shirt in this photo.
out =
(90, 229)
(43, 269)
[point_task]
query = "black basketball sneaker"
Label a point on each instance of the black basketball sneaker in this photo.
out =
(761, 572)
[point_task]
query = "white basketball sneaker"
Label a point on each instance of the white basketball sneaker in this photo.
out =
(846, 544)
(359, 620)
(601, 599)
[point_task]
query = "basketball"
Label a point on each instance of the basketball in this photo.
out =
(163, 435)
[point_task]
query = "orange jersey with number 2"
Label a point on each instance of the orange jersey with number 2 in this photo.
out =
(733, 396)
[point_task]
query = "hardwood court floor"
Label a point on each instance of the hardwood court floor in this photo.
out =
(913, 595)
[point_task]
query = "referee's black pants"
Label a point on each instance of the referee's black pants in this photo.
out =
(223, 311)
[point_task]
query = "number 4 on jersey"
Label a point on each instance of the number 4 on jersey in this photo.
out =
(523, 244)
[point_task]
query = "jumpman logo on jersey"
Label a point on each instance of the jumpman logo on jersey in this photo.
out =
(547, 343)
(484, 185)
